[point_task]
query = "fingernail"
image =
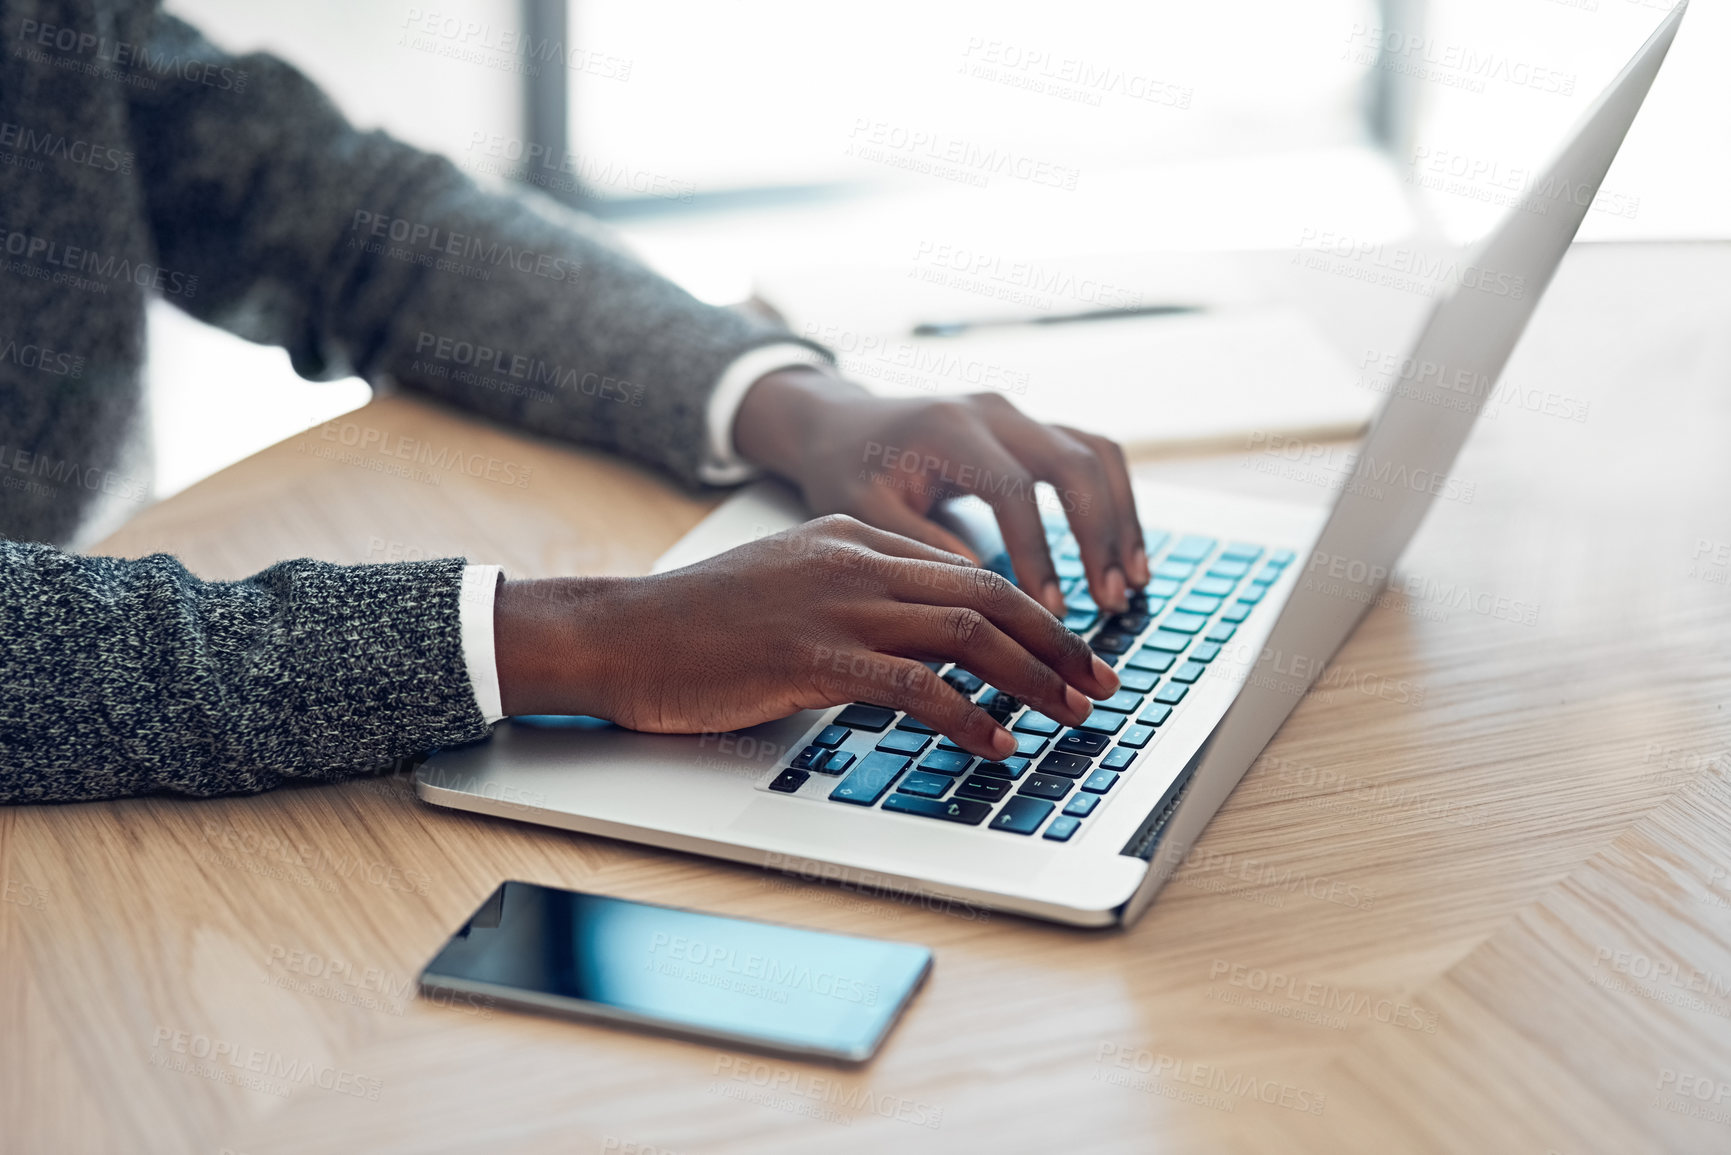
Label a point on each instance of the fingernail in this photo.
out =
(1103, 673)
(1078, 702)
(1139, 566)
(1003, 744)
(1052, 597)
(1116, 591)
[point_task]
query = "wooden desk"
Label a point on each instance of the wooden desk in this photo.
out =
(1474, 897)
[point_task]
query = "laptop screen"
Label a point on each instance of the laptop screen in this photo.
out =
(1432, 400)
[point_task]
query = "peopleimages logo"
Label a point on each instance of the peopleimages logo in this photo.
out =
(23, 139)
(128, 56)
(762, 968)
(78, 259)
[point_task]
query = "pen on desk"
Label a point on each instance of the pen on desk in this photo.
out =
(954, 328)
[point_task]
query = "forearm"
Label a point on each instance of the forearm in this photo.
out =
(130, 677)
(361, 254)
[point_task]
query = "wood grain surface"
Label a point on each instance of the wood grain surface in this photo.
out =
(1474, 897)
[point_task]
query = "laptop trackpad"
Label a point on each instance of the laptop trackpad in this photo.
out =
(849, 834)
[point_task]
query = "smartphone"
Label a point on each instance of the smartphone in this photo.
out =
(754, 984)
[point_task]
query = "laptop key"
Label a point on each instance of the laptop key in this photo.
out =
(1010, 768)
(946, 762)
(1118, 758)
(1243, 551)
(909, 722)
(788, 781)
(1045, 786)
(1155, 715)
(1236, 612)
(1163, 588)
(1080, 621)
(1034, 722)
(1030, 745)
(1174, 571)
(1100, 781)
(1189, 672)
(925, 785)
(1214, 587)
(804, 759)
(835, 762)
(1192, 547)
(1084, 743)
(1104, 721)
(1281, 557)
(1082, 805)
(869, 781)
(963, 683)
(1080, 599)
(1130, 623)
(1171, 694)
(1179, 623)
(830, 737)
(955, 810)
(983, 788)
(1022, 815)
(1067, 765)
(1222, 632)
(1138, 680)
(1152, 660)
(1136, 737)
(903, 742)
(1112, 642)
(1124, 701)
(1206, 652)
(1165, 640)
(1229, 567)
(1196, 604)
(860, 716)
(1062, 828)
(999, 705)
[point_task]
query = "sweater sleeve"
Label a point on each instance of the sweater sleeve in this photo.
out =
(134, 677)
(363, 255)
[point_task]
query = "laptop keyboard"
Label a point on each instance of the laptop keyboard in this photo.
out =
(874, 757)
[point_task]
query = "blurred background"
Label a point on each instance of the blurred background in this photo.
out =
(735, 143)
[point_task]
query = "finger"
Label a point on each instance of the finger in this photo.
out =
(1072, 467)
(893, 544)
(1006, 485)
(1012, 613)
(889, 514)
(1131, 547)
(904, 684)
(968, 638)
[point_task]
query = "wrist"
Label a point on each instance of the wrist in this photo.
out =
(778, 423)
(552, 644)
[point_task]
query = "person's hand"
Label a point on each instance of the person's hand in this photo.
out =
(888, 461)
(832, 611)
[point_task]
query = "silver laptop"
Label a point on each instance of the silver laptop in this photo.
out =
(1249, 602)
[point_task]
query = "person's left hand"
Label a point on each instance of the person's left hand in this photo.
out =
(888, 461)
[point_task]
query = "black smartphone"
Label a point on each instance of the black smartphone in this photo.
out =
(755, 984)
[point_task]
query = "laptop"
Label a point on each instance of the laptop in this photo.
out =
(1250, 600)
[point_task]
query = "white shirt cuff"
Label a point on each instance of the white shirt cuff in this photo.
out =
(722, 465)
(475, 619)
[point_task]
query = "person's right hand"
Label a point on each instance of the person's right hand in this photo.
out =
(830, 612)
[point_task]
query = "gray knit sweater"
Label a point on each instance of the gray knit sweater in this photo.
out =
(136, 158)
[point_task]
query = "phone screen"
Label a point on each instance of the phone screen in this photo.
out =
(756, 983)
